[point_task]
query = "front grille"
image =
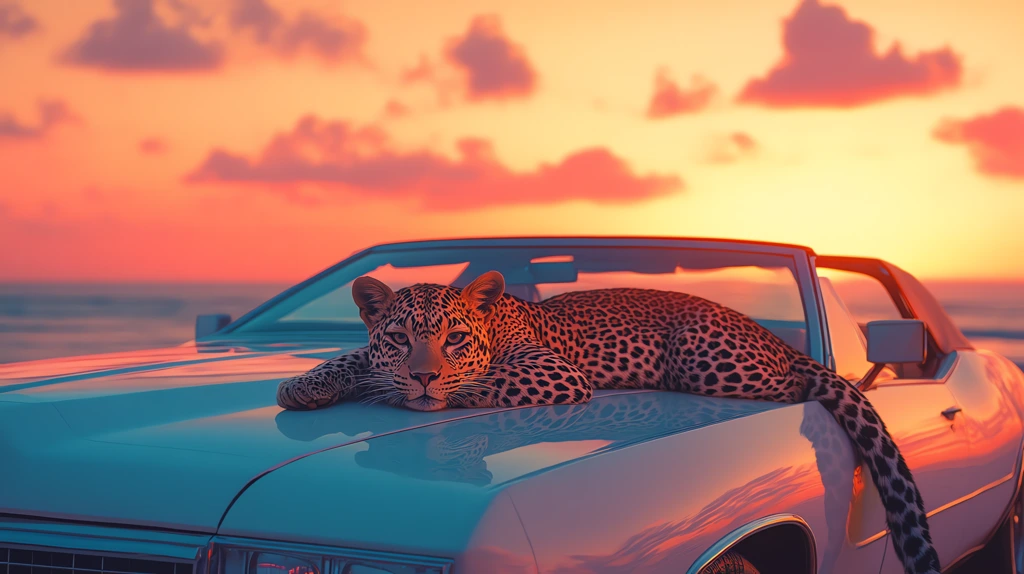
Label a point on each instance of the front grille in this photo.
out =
(23, 561)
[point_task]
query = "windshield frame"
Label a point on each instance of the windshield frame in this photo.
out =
(801, 259)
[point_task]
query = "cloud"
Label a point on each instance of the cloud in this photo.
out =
(15, 22)
(396, 109)
(447, 81)
(258, 16)
(334, 40)
(364, 161)
(494, 66)
(670, 100)
(831, 61)
(51, 114)
(732, 148)
(136, 39)
(995, 140)
(423, 71)
(153, 146)
(743, 141)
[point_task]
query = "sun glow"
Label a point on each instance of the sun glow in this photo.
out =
(415, 141)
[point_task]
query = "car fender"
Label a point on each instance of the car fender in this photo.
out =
(660, 505)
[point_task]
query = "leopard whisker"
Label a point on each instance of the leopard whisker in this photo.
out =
(371, 399)
(379, 396)
(377, 384)
(465, 396)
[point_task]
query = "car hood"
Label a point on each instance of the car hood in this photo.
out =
(174, 438)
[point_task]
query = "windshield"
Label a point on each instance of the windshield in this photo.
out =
(762, 286)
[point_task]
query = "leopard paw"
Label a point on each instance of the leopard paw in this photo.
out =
(306, 392)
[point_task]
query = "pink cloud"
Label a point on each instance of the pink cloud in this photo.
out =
(334, 40)
(396, 109)
(364, 161)
(995, 140)
(136, 39)
(51, 114)
(153, 146)
(743, 141)
(732, 148)
(670, 100)
(15, 22)
(258, 16)
(830, 61)
(494, 66)
(423, 71)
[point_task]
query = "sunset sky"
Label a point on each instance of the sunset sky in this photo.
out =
(263, 140)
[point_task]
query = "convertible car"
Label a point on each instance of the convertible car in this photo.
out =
(179, 461)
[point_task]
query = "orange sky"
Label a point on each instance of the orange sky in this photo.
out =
(264, 140)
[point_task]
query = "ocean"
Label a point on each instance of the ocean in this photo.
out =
(40, 321)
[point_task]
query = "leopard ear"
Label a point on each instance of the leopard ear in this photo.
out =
(373, 298)
(484, 291)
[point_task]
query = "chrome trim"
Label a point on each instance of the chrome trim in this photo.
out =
(1002, 519)
(950, 413)
(443, 564)
(945, 370)
(826, 358)
(600, 240)
(101, 554)
(747, 530)
(953, 565)
(819, 343)
(971, 495)
(1015, 473)
(946, 506)
(101, 539)
(873, 538)
(198, 550)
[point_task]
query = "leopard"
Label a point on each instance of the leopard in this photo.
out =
(433, 347)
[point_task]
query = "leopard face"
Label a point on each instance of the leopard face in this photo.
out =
(429, 344)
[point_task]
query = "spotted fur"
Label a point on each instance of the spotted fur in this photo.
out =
(434, 346)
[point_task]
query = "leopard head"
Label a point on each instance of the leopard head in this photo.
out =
(429, 344)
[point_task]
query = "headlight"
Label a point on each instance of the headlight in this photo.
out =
(299, 560)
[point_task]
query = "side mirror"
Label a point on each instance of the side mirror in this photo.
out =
(210, 324)
(896, 341)
(899, 341)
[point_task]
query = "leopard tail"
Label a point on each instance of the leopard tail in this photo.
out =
(904, 508)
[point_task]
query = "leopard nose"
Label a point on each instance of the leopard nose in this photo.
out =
(425, 378)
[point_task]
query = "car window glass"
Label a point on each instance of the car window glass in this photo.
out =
(864, 297)
(849, 347)
(339, 303)
(769, 293)
(760, 285)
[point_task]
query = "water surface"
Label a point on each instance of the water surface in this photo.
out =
(39, 321)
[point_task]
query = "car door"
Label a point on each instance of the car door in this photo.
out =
(993, 428)
(933, 447)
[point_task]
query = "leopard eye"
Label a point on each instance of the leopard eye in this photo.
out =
(456, 338)
(399, 338)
